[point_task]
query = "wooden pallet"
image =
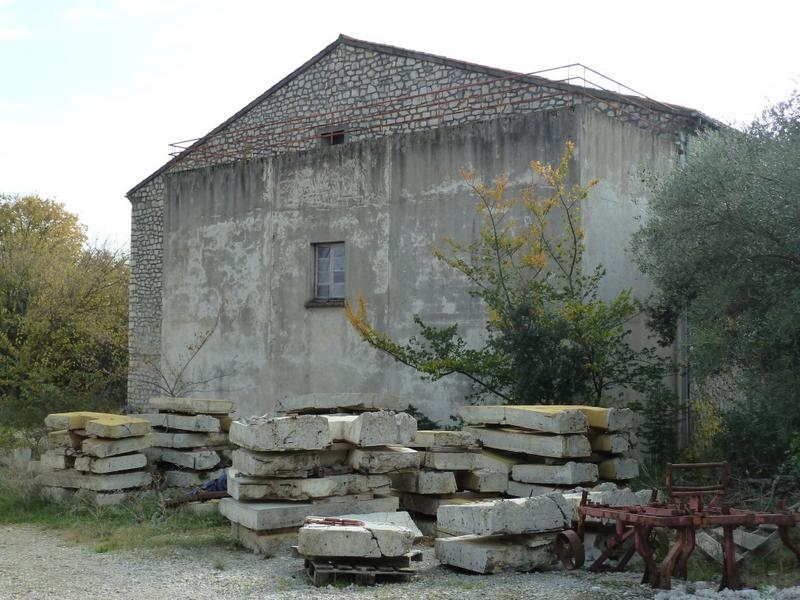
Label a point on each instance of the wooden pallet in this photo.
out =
(364, 571)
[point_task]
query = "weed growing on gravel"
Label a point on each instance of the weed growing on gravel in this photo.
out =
(141, 522)
(284, 584)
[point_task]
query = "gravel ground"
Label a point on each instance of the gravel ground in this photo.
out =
(39, 564)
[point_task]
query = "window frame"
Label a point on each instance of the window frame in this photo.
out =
(333, 135)
(330, 300)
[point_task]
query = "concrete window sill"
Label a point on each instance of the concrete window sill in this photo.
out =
(325, 303)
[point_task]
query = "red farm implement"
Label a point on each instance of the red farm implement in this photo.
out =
(686, 513)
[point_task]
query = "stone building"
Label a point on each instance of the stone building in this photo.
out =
(337, 181)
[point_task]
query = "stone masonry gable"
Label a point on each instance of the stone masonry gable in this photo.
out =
(373, 89)
(368, 90)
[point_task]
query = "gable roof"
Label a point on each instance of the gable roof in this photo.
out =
(423, 56)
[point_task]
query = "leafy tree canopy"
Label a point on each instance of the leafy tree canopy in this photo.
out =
(63, 314)
(723, 247)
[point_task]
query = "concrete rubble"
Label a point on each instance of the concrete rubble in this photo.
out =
(190, 438)
(287, 468)
(96, 454)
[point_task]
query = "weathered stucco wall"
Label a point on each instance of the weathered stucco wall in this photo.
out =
(622, 157)
(237, 247)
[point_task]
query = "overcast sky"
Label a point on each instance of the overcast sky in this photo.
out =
(91, 92)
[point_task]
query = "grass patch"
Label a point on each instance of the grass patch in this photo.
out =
(140, 522)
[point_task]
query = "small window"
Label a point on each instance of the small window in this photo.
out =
(329, 271)
(332, 137)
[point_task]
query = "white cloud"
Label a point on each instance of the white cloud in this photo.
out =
(83, 15)
(9, 31)
(6, 107)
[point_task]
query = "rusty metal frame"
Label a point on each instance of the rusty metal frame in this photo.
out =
(685, 514)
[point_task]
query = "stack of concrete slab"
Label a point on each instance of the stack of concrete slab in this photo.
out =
(497, 535)
(190, 438)
(288, 468)
(98, 453)
(612, 437)
(450, 473)
(552, 448)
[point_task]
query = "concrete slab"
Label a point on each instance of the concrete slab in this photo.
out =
(71, 420)
(370, 429)
(331, 403)
(100, 448)
(605, 493)
(524, 442)
(64, 438)
(246, 488)
(393, 540)
(111, 464)
(270, 434)
(370, 541)
(619, 469)
(265, 516)
(285, 464)
(612, 443)
(384, 459)
(194, 423)
(499, 461)
(168, 439)
(111, 498)
(117, 426)
(54, 459)
(191, 406)
(203, 509)
(424, 482)
(429, 438)
(333, 540)
(482, 480)
(515, 516)
(71, 478)
(450, 461)
(264, 543)
(429, 505)
(571, 473)
(494, 554)
(58, 494)
(608, 419)
(426, 525)
(198, 460)
(528, 490)
(181, 478)
(562, 420)
(400, 518)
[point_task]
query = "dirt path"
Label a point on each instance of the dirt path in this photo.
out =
(35, 563)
